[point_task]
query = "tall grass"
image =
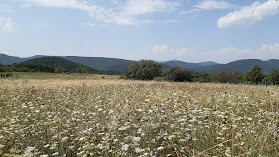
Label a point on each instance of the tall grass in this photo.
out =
(85, 117)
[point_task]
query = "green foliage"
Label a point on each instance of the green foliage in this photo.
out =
(144, 70)
(159, 78)
(81, 69)
(60, 69)
(177, 74)
(255, 75)
(226, 77)
(274, 76)
(57, 61)
(201, 77)
(35, 67)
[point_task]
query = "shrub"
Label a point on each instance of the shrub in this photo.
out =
(159, 78)
(60, 69)
(226, 76)
(177, 74)
(274, 76)
(255, 75)
(144, 70)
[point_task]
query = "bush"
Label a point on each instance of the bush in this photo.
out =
(177, 74)
(144, 70)
(226, 77)
(60, 69)
(159, 78)
(201, 77)
(255, 75)
(274, 76)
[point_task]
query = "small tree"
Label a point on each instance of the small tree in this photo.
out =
(201, 77)
(274, 76)
(144, 70)
(226, 76)
(177, 74)
(60, 69)
(81, 69)
(255, 75)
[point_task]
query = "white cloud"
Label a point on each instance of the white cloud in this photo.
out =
(226, 55)
(222, 55)
(248, 15)
(164, 53)
(208, 5)
(6, 24)
(269, 51)
(160, 49)
(211, 4)
(124, 14)
(139, 7)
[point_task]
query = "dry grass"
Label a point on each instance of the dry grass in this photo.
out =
(98, 117)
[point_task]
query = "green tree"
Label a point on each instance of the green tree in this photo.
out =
(255, 75)
(201, 77)
(274, 76)
(60, 69)
(177, 74)
(81, 69)
(144, 70)
(226, 76)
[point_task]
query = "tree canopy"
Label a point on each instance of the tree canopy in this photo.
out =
(255, 75)
(144, 70)
(177, 74)
(274, 76)
(226, 76)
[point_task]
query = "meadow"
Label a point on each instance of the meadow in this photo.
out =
(87, 115)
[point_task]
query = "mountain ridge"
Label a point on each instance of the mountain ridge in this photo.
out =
(122, 65)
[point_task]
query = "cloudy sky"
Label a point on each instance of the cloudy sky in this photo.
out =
(187, 30)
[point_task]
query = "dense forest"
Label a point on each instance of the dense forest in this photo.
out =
(48, 64)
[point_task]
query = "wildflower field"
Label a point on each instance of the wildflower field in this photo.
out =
(112, 117)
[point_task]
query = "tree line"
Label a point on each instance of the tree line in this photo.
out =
(35, 67)
(151, 70)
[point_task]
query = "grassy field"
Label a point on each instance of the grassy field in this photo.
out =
(87, 115)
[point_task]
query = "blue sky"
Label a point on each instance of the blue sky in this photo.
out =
(187, 30)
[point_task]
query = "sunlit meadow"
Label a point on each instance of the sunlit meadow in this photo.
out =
(112, 117)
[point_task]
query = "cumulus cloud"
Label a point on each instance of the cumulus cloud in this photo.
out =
(211, 4)
(222, 55)
(124, 14)
(225, 55)
(163, 53)
(6, 24)
(248, 15)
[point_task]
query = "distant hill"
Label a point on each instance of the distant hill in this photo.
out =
(241, 66)
(6, 60)
(106, 64)
(122, 65)
(209, 63)
(186, 65)
(57, 61)
(101, 63)
(36, 56)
